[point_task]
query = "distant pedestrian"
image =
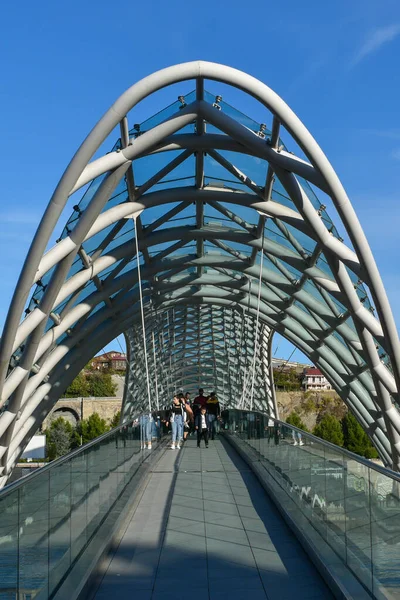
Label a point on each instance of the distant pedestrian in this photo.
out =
(271, 429)
(277, 433)
(156, 426)
(189, 417)
(163, 416)
(146, 424)
(202, 424)
(297, 439)
(176, 419)
(199, 401)
(214, 412)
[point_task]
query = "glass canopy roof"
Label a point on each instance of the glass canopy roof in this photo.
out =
(299, 247)
(234, 245)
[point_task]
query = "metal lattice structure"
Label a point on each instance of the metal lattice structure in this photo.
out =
(234, 245)
(201, 345)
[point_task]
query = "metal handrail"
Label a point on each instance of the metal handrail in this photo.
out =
(364, 461)
(11, 487)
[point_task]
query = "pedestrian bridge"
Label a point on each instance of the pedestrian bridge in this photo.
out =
(251, 516)
(197, 234)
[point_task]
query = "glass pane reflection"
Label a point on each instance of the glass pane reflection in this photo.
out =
(49, 517)
(353, 504)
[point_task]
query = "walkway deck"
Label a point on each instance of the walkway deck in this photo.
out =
(205, 529)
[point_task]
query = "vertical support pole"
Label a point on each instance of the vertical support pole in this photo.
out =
(199, 173)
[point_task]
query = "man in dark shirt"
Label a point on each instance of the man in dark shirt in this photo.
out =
(199, 401)
(214, 412)
(163, 416)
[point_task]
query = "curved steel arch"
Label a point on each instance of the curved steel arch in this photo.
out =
(207, 317)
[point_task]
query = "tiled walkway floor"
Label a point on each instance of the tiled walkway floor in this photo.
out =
(205, 529)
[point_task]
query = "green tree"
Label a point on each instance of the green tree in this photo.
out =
(294, 419)
(91, 428)
(100, 384)
(91, 383)
(115, 421)
(355, 438)
(308, 404)
(329, 429)
(78, 387)
(288, 380)
(59, 438)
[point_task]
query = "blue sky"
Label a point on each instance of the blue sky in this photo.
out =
(335, 63)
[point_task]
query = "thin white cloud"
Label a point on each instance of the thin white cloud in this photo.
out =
(392, 134)
(396, 154)
(310, 71)
(20, 218)
(374, 41)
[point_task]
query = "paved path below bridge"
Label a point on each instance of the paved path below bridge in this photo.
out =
(205, 529)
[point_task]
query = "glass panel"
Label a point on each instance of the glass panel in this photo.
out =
(354, 507)
(318, 479)
(34, 535)
(9, 545)
(79, 488)
(94, 513)
(49, 518)
(385, 533)
(358, 521)
(60, 523)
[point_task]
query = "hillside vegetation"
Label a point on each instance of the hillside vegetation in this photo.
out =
(325, 415)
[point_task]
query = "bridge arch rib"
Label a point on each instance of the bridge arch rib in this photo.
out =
(210, 189)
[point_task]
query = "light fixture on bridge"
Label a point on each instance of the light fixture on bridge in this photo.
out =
(260, 132)
(216, 104)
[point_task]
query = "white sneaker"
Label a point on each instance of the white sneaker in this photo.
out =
(178, 447)
(294, 443)
(149, 446)
(172, 446)
(301, 443)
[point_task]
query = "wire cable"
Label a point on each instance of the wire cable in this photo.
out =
(258, 314)
(142, 315)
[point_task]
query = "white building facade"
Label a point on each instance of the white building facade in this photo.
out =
(315, 380)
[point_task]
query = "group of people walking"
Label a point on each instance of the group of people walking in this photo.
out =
(183, 418)
(200, 416)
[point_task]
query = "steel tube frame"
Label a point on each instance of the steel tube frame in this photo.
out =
(31, 358)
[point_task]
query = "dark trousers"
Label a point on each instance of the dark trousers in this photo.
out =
(202, 433)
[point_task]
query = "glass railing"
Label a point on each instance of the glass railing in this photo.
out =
(49, 517)
(352, 503)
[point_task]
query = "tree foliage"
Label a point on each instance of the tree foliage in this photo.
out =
(355, 438)
(115, 421)
(92, 383)
(59, 438)
(329, 429)
(78, 388)
(294, 419)
(288, 380)
(90, 428)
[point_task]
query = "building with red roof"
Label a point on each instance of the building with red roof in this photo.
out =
(315, 380)
(110, 360)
